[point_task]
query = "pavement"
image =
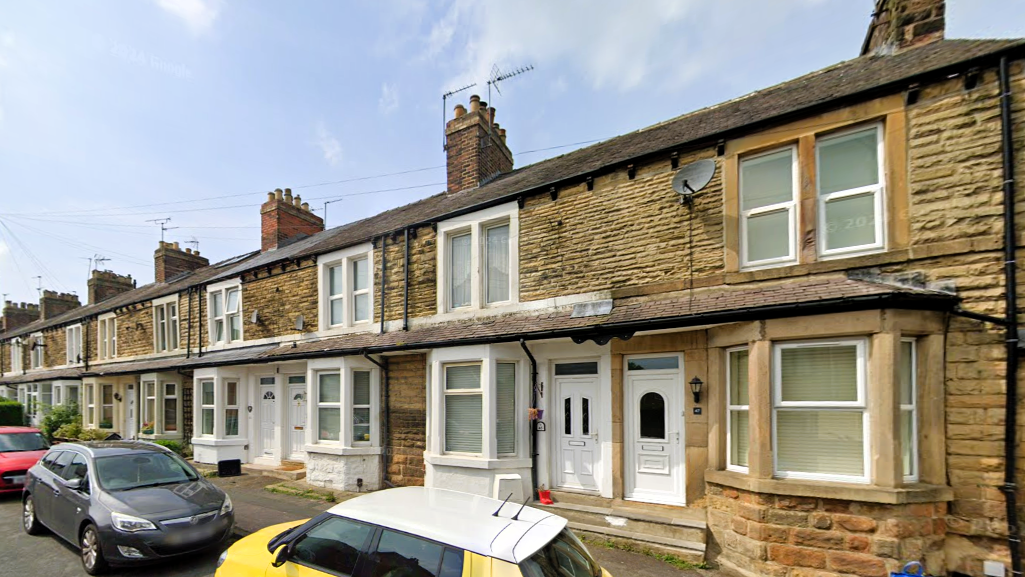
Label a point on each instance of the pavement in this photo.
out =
(255, 508)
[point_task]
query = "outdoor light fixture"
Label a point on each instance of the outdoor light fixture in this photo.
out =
(117, 397)
(695, 387)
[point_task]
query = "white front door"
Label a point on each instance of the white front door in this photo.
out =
(653, 429)
(297, 417)
(131, 426)
(577, 418)
(268, 417)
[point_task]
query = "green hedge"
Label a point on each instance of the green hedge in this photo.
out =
(11, 413)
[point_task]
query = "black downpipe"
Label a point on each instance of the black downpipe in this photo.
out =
(188, 338)
(533, 425)
(1010, 487)
(405, 286)
(384, 420)
(85, 346)
(199, 314)
(384, 270)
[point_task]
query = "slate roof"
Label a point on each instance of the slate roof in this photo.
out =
(829, 87)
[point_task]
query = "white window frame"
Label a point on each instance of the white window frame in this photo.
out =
(229, 406)
(878, 191)
(731, 407)
(859, 404)
(478, 392)
(36, 354)
(73, 344)
(17, 355)
(106, 336)
(913, 409)
(170, 323)
(345, 258)
(90, 405)
(792, 207)
(223, 289)
(340, 405)
(476, 225)
(203, 407)
(517, 410)
(351, 406)
(102, 405)
(162, 409)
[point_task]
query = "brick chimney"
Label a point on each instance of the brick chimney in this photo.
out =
(105, 284)
(17, 315)
(53, 303)
(901, 24)
(475, 147)
(170, 261)
(284, 219)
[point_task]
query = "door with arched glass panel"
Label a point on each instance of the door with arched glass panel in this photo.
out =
(578, 459)
(654, 429)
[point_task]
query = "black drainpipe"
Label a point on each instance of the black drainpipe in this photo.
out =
(384, 420)
(405, 286)
(85, 345)
(533, 425)
(199, 314)
(188, 339)
(1010, 487)
(384, 270)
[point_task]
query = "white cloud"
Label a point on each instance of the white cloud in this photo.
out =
(611, 44)
(198, 15)
(389, 100)
(328, 144)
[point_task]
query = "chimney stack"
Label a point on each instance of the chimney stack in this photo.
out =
(105, 284)
(53, 303)
(900, 24)
(170, 261)
(475, 147)
(17, 315)
(284, 219)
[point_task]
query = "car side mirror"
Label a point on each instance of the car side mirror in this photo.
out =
(74, 484)
(282, 555)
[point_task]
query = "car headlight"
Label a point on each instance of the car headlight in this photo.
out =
(227, 506)
(130, 524)
(222, 558)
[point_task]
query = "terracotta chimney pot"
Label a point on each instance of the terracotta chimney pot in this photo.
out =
(460, 110)
(474, 103)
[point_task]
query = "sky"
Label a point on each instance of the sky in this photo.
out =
(114, 114)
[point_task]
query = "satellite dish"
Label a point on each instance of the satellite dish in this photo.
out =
(692, 178)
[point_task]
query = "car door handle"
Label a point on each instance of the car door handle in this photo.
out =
(56, 492)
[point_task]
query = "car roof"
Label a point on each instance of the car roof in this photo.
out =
(111, 448)
(458, 519)
(8, 429)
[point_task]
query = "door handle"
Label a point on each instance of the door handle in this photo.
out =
(677, 437)
(594, 436)
(56, 492)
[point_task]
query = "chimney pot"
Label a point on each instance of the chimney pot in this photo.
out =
(196, 252)
(288, 195)
(175, 245)
(298, 202)
(270, 196)
(501, 134)
(306, 206)
(277, 193)
(474, 103)
(483, 105)
(460, 110)
(188, 251)
(491, 115)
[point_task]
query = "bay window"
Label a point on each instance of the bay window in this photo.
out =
(850, 191)
(170, 424)
(206, 407)
(361, 407)
(73, 342)
(225, 315)
(107, 337)
(149, 407)
(909, 409)
(346, 281)
(329, 406)
(506, 410)
(231, 408)
(165, 320)
(90, 406)
(737, 410)
(819, 413)
(464, 408)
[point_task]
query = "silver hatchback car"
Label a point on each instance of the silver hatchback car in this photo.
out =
(124, 503)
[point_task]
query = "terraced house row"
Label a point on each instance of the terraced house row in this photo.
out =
(801, 368)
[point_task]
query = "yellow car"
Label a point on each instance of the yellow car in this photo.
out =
(415, 532)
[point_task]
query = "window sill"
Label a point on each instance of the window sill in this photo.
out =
(914, 493)
(160, 437)
(475, 462)
(212, 442)
(342, 451)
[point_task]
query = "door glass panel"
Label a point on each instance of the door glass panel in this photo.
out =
(653, 364)
(653, 416)
(588, 368)
(585, 416)
(400, 554)
(568, 419)
(297, 380)
(334, 545)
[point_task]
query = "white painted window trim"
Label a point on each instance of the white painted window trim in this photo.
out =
(351, 406)
(730, 408)
(224, 288)
(877, 190)
(236, 406)
(89, 391)
(102, 405)
(73, 344)
(162, 411)
(476, 224)
(791, 206)
(485, 377)
(318, 404)
(845, 406)
(345, 259)
(204, 407)
(106, 336)
(345, 443)
(913, 409)
(165, 305)
(36, 353)
(17, 355)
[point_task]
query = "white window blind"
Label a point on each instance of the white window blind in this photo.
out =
(768, 206)
(819, 415)
(463, 409)
(329, 406)
(497, 263)
(361, 406)
(849, 172)
(506, 408)
(336, 294)
(360, 291)
(909, 410)
(738, 413)
(459, 270)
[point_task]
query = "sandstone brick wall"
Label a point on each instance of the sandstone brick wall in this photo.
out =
(800, 536)
(623, 233)
(423, 275)
(135, 331)
(200, 332)
(55, 353)
(407, 426)
(280, 297)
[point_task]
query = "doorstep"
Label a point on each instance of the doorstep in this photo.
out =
(287, 472)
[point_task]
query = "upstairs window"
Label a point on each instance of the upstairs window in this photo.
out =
(165, 320)
(346, 281)
(36, 354)
(17, 355)
(459, 250)
(850, 191)
(496, 263)
(768, 207)
(225, 315)
(73, 340)
(107, 337)
(478, 260)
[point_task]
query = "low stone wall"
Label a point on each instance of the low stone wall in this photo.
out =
(341, 472)
(782, 536)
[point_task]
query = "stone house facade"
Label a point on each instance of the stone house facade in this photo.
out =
(797, 368)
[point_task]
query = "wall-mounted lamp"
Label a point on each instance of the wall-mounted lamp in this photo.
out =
(695, 387)
(117, 397)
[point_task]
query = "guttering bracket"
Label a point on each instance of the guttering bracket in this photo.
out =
(911, 96)
(521, 201)
(720, 147)
(590, 183)
(971, 78)
(554, 193)
(631, 171)
(674, 160)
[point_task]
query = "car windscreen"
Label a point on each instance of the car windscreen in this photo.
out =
(19, 442)
(563, 556)
(135, 470)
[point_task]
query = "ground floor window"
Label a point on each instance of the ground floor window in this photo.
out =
(170, 407)
(360, 407)
(106, 406)
(329, 406)
(90, 406)
(231, 408)
(464, 409)
(909, 409)
(206, 407)
(345, 405)
(738, 411)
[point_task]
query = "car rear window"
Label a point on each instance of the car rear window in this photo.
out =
(563, 556)
(20, 442)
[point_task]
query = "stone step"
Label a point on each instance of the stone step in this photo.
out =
(686, 550)
(632, 521)
(277, 473)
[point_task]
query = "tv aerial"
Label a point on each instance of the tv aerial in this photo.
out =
(692, 178)
(498, 76)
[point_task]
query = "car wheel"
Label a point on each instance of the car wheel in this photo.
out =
(29, 521)
(92, 552)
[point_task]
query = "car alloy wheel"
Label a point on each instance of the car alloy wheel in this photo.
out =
(28, 516)
(92, 554)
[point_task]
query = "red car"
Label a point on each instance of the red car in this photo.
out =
(20, 448)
